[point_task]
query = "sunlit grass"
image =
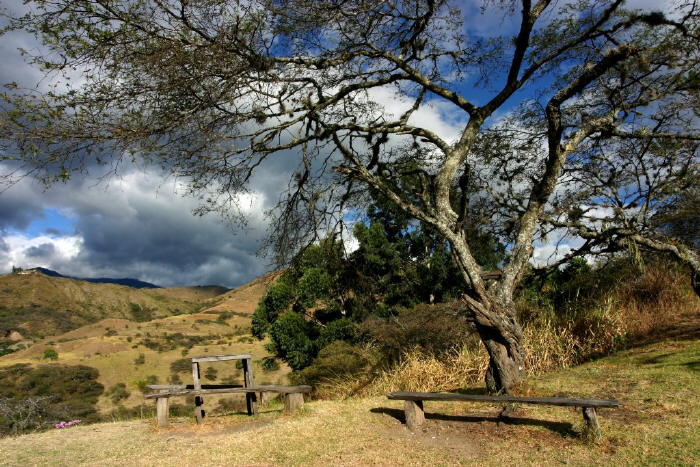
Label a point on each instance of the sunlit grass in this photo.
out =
(657, 424)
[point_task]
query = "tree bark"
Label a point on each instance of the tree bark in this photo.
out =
(502, 337)
(505, 363)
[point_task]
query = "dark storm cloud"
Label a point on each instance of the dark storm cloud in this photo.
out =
(41, 251)
(16, 210)
(140, 226)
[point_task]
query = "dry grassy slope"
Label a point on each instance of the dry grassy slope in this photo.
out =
(656, 425)
(43, 305)
(245, 298)
(113, 344)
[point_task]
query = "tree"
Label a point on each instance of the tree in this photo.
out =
(599, 131)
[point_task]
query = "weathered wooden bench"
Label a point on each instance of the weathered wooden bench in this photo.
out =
(293, 396)
(415, 416)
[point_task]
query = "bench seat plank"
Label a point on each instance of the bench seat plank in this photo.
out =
(559, 401)
(175, 387)
(230, 390)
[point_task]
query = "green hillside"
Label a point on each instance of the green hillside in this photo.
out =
(35, 305)
(132, 337)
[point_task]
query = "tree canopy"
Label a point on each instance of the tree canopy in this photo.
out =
(580, 120)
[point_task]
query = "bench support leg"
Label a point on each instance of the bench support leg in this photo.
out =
(415, 416)
(162, 411)
(248, 381)
(591, 418)
(198, 409)
(293, 401)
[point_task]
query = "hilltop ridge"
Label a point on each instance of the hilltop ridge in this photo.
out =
(40, 302)
(127, 281)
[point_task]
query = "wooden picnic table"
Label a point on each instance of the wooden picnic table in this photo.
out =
(293, 395)
(246, 359)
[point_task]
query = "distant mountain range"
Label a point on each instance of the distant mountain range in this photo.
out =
(127, 281)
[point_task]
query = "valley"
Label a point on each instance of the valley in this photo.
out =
(131, 336)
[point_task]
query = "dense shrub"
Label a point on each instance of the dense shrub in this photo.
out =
(269, 364)
(34, 398)
(118, 392)
(277, 298)
(211, 373)
(181, 365)
(336, 360)
(432, 329)
(140, 313)
(293, 339)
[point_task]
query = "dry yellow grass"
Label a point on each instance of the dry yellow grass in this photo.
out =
(657, 425)
(114, 355)
(658, 302)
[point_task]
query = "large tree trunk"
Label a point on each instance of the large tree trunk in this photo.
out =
(502, 336)
(490, 308)
(505, 362)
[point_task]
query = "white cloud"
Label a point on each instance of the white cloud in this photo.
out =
(42, 250)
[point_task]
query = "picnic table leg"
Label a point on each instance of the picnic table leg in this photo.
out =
(250, 397)
(415, 416)
(198, 401)
(591, 418)
(162, 411)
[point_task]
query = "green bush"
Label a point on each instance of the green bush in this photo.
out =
(34, 398)
(293, 340)
(269, 364)
(181, 365)
(278, 297)
(139, 313)
(142, 383)
(50, 354)
(118, 392)
(211, 373)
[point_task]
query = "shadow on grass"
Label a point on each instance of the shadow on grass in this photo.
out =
(562, 428)
(660, 361)
(479, 391)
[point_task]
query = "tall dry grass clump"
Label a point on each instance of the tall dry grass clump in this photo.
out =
(657, 298)
(415, 371)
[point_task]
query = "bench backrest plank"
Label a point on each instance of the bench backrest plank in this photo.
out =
(221, 358)
(560, 401)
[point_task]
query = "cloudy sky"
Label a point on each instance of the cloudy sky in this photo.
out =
(139, 224)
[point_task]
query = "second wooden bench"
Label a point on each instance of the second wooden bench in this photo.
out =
(415, 416)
